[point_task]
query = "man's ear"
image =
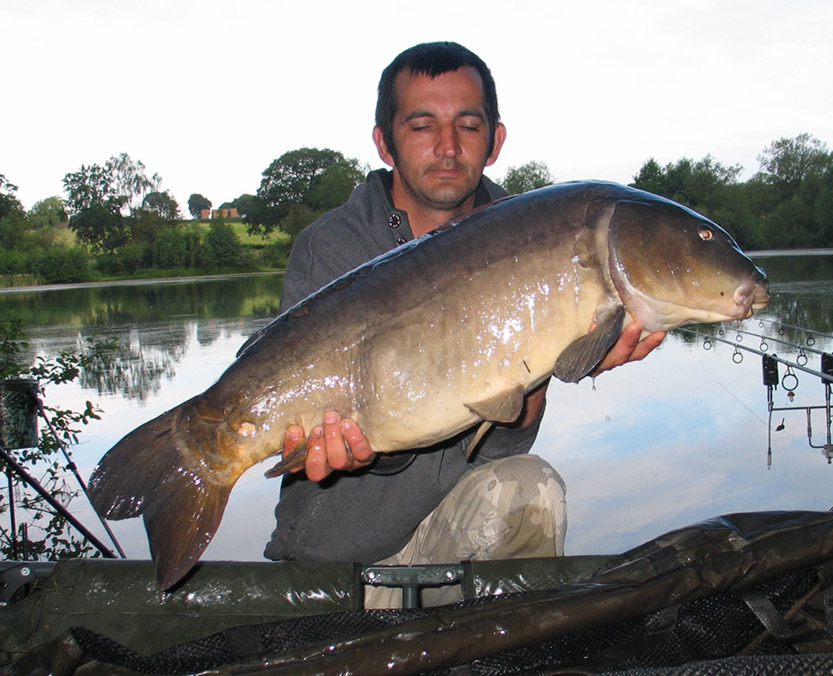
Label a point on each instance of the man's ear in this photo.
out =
(381, 146)
(500, 137)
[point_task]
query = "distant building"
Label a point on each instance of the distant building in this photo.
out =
(230, 212)
(223, 212)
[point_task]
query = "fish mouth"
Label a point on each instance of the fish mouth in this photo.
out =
(752, 295)
(658, 314)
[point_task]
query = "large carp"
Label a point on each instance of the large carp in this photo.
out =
(439, 335)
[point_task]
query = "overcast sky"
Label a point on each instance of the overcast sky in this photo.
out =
(208, 93)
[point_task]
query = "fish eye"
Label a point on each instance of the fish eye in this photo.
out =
(706, 234)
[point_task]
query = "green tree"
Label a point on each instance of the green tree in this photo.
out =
(145, 227)
(129, 182)
(13, 225)
(8, 200)
(793, 191)
(103, 202)
(297, 218)
(169, 249)
(295, 178)
(91, 185)
(101, 226)
(94, 207)
(196, 203)
(694, 184)
(47, 213)
(333, 186)
(788, 161)
(525, 177)
(178, 248)
(13, 231)
(222, 246)
(163, 204)
(245, 204)
(705, 185)
(17, 245)
(787, 203)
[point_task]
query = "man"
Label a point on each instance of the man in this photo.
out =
(438, 127)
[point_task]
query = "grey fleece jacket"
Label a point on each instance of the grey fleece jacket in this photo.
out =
(369, 514)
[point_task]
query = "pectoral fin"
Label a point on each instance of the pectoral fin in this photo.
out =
(583, 355)
(289, 461)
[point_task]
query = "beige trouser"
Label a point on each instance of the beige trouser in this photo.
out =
(510, 508)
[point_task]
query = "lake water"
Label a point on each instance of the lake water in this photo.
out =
(646, 448)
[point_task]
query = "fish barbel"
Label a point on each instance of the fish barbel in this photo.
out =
(439, 335)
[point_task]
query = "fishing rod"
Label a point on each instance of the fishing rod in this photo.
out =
(19, 429)
(18, 469)
(810, 332)
(802, 349)
(789, 382)
(737, 357)
(74, 469)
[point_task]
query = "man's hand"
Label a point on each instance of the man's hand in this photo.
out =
(339, 444)
(629, 347)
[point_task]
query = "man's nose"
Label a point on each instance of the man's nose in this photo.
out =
(447, 144)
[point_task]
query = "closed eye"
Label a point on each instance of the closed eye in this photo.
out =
(470, 123)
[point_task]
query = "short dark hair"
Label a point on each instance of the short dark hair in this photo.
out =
(433, 59)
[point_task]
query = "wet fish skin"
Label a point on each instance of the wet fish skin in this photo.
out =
(434, 337)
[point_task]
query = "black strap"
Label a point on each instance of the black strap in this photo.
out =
(768, 614)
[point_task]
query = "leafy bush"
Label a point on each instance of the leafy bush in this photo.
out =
(223, 248)
(135, 256)
(61, 265)
(13, 262)
(177, 248)
(169, 249)
(276, 254)
(108, 265)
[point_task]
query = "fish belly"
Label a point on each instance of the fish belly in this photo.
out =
(463, 347)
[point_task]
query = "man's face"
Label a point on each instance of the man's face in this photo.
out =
(441, 139)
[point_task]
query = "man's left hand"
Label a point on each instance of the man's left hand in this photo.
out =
(629, 347)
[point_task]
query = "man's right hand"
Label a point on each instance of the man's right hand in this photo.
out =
(339, 444)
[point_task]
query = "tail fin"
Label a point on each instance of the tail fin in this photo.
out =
(148, 473)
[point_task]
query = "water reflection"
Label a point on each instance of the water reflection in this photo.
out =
(154, 324)
(118, 304)
(644, 449)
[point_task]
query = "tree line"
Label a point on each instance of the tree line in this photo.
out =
(122, 224)
(786, 204)
(125, 224)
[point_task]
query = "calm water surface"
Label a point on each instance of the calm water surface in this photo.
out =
(650, 447)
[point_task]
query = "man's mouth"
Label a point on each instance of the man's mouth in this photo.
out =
(443, 170)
